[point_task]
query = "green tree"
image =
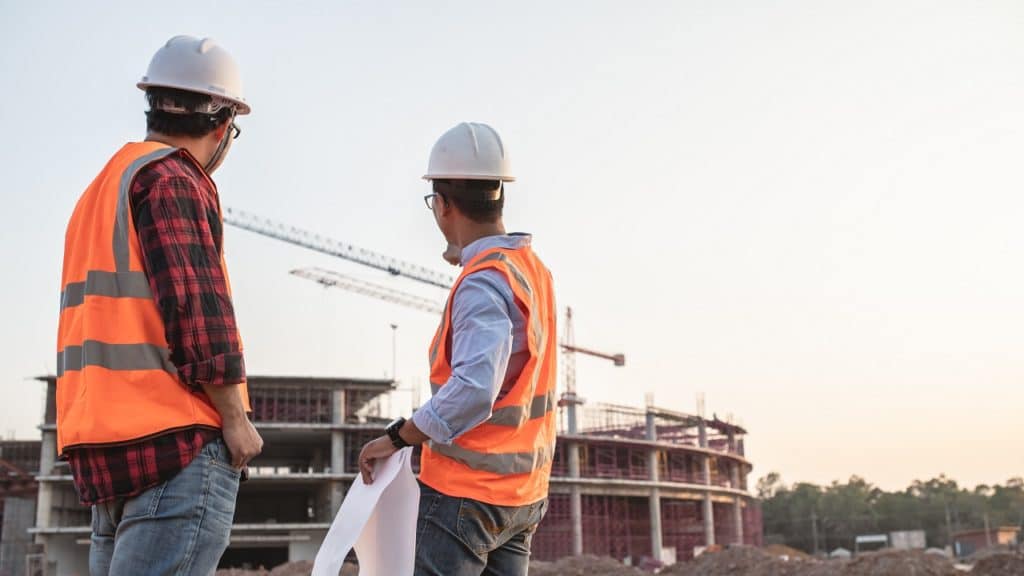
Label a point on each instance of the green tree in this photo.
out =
(843, 510)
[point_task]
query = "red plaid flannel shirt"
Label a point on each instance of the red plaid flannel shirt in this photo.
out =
(177, 217)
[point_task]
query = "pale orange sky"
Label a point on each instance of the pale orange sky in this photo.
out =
(808, 211)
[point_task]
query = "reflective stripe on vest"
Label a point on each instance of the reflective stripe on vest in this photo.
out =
(505, 464)
(520, 280)
(515, 415)
(507, 459)
(114, 357)
(535, 324)
(123, 283)
(115, 380)
(109, 284)
(120, 240)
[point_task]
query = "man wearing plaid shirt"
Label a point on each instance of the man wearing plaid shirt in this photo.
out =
(162, 484)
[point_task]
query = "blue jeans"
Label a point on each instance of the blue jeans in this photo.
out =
(464, 537)
(179, 528)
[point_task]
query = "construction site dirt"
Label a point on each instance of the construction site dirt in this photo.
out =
(745, 561)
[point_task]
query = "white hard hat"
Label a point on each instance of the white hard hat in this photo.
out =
(469, 151)
(197, 65)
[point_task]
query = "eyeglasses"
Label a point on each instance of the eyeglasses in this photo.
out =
(235, 131)
(429, 199)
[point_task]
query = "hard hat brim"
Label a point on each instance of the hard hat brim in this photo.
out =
(241, 107)
(468, 177)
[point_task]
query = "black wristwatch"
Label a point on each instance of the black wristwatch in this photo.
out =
(396, 438)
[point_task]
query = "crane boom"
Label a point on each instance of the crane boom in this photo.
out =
(569, 351)
(306, 239)
(618, 359)
(333, 279)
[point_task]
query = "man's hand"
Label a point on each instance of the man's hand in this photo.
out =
(374, 450)
(243, 441)
(240, 436)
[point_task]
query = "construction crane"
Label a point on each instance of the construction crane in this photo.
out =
(395, 267)
(332, 279)
(306, 239)
(569, 351)
(570, 402)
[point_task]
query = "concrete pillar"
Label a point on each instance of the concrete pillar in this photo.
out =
(655, 496)
(47, 461)
(737, 505)
(337, 452)
(575, 497)
(709, 511)
(48, 453)
(337, 467)
(337, 449)
(338, 406)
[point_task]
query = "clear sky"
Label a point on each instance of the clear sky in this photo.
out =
(809, 211)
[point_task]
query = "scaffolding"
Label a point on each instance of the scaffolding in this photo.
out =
(651, 483)
(292, 404)
(620, 527)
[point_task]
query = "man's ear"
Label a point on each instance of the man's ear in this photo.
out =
(447, 206)
(218, 132)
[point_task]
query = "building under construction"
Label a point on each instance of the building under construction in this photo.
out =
(646, 484)
(19, 461)
(631, 483)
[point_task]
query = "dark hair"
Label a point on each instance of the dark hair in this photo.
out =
(194, 124)
(479, 200)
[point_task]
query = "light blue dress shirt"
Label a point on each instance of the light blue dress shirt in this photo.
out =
(488, 347)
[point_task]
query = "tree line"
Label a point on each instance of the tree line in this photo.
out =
(813, 518)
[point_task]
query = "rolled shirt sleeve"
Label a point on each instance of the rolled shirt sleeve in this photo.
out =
(178, 223)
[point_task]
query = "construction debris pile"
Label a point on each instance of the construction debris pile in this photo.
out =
(899, 562)
(755, 562)
(744, 561)
(582, 566)
(781, 561)
(999, 564)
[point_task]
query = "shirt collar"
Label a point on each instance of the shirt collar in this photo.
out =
(508, 241)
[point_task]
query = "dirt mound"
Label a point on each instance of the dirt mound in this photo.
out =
(782, 550)
(1001, 564)
(899, 563)
(741, 561)
(583, 566)
(304, 568)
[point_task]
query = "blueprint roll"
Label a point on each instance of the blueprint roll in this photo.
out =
(378, 521)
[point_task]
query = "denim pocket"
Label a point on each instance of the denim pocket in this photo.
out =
(535, 515)
(481, 526)
(220, 457)
(144, 505)
(543, 505)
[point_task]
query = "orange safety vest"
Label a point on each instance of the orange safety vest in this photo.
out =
(506, 460)
(115, 381)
